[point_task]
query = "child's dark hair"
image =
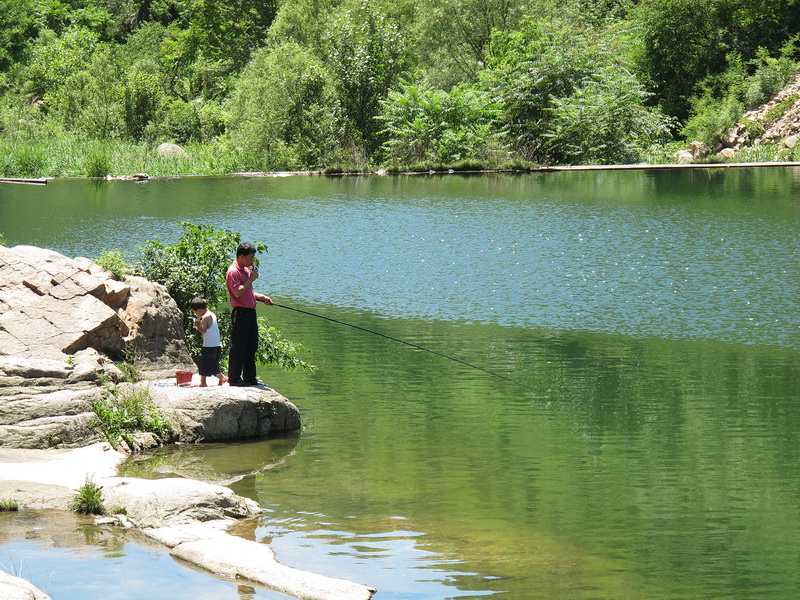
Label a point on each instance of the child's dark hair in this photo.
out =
(246, 249)
(198, 303)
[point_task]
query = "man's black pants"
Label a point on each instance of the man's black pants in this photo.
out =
(244, 343)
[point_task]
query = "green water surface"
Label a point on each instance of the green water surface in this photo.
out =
(647, 445)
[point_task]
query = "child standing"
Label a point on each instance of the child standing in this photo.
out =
(206, 323)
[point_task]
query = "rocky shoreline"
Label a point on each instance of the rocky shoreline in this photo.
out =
(59, 320)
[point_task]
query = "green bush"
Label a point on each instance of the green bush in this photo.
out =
(114, 261)
(284, 113)
(8, 505)
(423, 124)
(195, 266)
(711, 118)
(88, 499)
(129, 410)
(97, 164)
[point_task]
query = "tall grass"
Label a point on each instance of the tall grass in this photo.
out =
(68, 156)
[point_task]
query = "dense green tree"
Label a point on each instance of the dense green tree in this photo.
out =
(143, 103)
(568, 96)
(305, 22)
(604, 121)
(424, 124)
(284, 111)
(86, 102)
(684, 42)
(17, 26)
(453, 37)
(55, 57)
(367, 54)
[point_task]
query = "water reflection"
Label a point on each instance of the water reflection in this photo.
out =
(69, 558)
(651, 318)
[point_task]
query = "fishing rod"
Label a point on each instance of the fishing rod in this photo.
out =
(389, 337)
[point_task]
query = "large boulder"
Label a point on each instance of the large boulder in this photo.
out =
(161, 502)
(47, 402)
(224, 413)
(153, 324)
(52, 306)
(49, 306)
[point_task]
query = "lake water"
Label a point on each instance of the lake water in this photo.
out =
(646, 446)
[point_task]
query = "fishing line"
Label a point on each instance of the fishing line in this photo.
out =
(389, 337)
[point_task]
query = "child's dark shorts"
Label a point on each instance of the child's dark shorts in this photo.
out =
(209, 361)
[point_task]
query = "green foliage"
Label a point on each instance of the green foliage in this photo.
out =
(2, 240)
(367, 55)
(85, 102)
(193, 121)
(114, 261)
(195, 266)
(685, 41)
(97, 164)
(754, 128)
(711, 118)
(127, 410)
(725, 96)
(275, 85)
(425, 124)
(284, 113)
(567, 97)
(88, 499)
(604, 121)
(274, 349)
(24, 161)
(143, 101)
(453, 38)
(777, 111)
(16, 28)
(55, 57)
(772, 73)
(8, 505)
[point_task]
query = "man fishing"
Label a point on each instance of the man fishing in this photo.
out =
(244, 326)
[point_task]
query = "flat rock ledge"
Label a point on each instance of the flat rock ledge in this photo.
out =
(189, 518)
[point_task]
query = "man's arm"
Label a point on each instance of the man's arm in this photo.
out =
(265, 299)
(242, 288)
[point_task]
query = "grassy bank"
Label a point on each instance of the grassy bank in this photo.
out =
(74, 157)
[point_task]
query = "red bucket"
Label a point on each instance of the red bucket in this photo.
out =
(183, 377)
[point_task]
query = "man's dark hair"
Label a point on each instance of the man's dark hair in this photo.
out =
(198, 303)
(245, 249)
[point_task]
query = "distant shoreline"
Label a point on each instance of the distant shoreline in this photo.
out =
(382, 172)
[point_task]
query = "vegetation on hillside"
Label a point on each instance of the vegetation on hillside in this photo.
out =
(91, 86)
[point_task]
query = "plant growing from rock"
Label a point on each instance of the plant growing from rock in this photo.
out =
(114, 261)
(88, 499)
(128, 410)
(8, 505)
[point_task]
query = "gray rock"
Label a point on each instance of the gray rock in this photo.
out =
(16, 588)
(236, 558)
(225, 413)
(153, 324)
(43, 417)
(168, 149)
(162, 502)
